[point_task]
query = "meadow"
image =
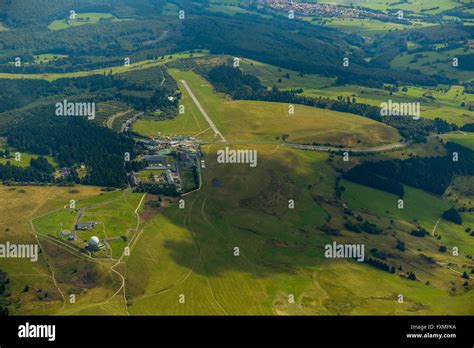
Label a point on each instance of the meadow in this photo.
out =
(81, 19)
(465, 139)
(190, 251)
(114, 213)
(24, 159)
(447, 102)
(420, 208)
(48, 57)
(433, 62)
(20, 204)
(252, 121)
(365, 27)
(112, 70)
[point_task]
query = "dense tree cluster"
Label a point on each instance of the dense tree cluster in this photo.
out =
(142, 96)
(315, 49)
(453, 216)
(4, 281)
(38, 171)
(74, 141)
(380, 265)
(432, 174)
(157, 189)
(363, 227)
(421, 232)
(468, 127)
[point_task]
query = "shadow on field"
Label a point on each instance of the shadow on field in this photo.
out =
(244, 224)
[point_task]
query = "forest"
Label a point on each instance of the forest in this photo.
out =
(141, 96)
(432, 174)
(72, 142)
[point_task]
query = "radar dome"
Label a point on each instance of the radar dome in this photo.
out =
(94, 241)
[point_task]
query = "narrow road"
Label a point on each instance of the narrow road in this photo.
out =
(203, 112)
(322, 148)
(434, 228)
(380, 148)
(111, 119)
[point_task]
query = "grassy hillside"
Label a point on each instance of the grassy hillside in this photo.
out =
(465, 139)
(249, 121)
(20, 204)
(446, 102)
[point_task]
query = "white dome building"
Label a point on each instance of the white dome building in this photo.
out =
(94, 242)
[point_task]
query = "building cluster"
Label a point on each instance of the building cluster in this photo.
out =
(323, 10)
(170, 155)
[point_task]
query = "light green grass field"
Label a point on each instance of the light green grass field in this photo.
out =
(24, 159)
(114, 213)
(251, 121)
(190, 251)
(47, 57)
(466, 139)
(114, 70)
(148, 175)
(81, 19)
(443, 102)
(420, 208)
(362, 26)
(434, 63)
(269, 75)
(18, 206)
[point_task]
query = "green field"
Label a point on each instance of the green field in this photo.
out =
(19, 205)
(432, 63)
(444, 102)
(251, 121)
(82, 19)
(420, 208)
(192, 255)
(362, 26)
(114, 213)
(148, 175)
(193, 252)
(114, 70)
(48, 57)
(25, 157)
(465, 139)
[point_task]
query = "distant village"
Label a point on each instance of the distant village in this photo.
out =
(324, 10)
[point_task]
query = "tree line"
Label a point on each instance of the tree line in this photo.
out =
(73, 142)
(432, 174)
(243, 86)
